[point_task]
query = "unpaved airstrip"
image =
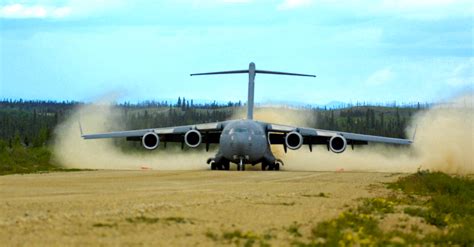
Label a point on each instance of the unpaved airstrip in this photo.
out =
(166, 208)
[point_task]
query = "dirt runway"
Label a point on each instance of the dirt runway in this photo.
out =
(173, 208)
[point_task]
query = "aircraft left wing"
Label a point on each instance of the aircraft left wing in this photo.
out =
(210, 132)
(319, 136)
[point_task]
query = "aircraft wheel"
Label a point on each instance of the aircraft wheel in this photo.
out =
(213, 166)
(226, 166)
(276, 167)
(264, 166)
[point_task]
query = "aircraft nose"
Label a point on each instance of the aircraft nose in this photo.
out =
(240, 143)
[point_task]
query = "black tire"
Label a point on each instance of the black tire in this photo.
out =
(276, 167)
(226, 166)
(271, 167)
(213, 166)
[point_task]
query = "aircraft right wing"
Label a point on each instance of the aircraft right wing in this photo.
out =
(210, 133)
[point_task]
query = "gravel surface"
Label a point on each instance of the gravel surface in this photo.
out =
(173, 208)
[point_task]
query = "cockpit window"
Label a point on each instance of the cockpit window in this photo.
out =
(238, 130)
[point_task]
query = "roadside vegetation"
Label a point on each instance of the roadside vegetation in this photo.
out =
(425, 208)
(429, 208)
(19, 159)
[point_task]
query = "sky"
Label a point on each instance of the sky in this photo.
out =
(361, 51)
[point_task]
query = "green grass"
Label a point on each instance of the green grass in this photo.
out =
(143, 219)
(294, 230)
(321, 194)
(105, 225)
(23, 160)
(153, 220)
(376, 206)
(240, 238)
(443, 201)
(278, 203)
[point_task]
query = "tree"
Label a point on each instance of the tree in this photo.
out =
(41, 138)
(179, 102)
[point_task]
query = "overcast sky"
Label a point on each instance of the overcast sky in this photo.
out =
(364, 50)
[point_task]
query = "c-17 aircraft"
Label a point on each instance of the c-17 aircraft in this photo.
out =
(246, 141)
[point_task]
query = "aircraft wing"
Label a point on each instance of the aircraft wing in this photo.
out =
(210, 131)
(319, 136)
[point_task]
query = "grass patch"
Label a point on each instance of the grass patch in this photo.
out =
(153, 220)
(294, 230)
(278, 203)
(240, 238)
(321, 194)
(178, 220)
(143, 219)
(446, 202)
(107, 225)
(350, 228)
(376, 205)
(451, 198)
(24, 160)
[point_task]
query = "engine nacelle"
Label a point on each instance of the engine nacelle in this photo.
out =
(193, 138)
(337, 144)
(150, 140)
(293, 140)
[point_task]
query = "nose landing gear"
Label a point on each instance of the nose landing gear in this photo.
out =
(241, 165)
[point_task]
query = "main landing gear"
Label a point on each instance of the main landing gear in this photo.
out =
(275, 166)
(222, 165)
(225, 165)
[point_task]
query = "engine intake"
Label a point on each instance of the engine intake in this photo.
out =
(338, 144)
(293, 140)
(150, 140)
(193, 138)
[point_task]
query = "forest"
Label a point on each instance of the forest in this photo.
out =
(27, 126)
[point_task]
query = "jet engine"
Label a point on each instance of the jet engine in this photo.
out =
(193, 138)
(293, 140)
(337, 144)
(150, 140)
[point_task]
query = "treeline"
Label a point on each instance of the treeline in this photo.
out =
(32, 122)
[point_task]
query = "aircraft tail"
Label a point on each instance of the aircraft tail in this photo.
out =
(252, 71)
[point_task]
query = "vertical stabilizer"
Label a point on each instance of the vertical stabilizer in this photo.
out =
(250, 98)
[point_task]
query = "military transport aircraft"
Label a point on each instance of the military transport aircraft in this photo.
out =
(246, 141)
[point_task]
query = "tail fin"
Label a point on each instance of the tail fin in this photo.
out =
(252, 71)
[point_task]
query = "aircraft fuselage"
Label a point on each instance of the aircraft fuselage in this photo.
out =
(244, 141)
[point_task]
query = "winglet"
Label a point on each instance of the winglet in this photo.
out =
(80, 128)
(414, 133)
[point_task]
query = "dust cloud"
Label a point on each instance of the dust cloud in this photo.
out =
(72, 151)
(444, 142)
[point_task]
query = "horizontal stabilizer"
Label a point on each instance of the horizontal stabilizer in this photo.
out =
(256, 71)
(281, 73)
(223, 72)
